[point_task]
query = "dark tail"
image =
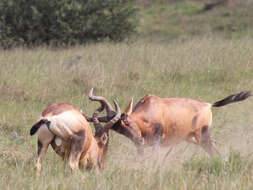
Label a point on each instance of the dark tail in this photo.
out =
(37, 125)
(232, 98)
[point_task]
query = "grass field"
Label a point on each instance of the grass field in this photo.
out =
(207, 69)
(167, 20)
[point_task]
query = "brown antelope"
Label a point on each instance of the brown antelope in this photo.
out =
(70, 135)
(167, 121)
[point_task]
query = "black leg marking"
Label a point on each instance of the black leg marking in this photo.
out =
(158, 132)
(39, 147)
(78, 141)
(204, 130)
(207, 143)
(157, 139)
(205, 136)
(77, 144)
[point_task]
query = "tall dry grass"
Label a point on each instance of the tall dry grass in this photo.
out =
(205, 69)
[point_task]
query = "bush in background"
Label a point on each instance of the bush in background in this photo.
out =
(35, 22)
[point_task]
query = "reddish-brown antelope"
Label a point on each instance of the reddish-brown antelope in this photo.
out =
(66, 129)
(167, 121)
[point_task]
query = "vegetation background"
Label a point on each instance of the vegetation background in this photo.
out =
(182, 49)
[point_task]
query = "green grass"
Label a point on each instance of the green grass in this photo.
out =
(207, 69)
(164, 21)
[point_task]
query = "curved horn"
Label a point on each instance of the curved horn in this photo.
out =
(100, 119)
(95, 119)
(103, 101)
(129, 108)
(90, 119)
(115, 118)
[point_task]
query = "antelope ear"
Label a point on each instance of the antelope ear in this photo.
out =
(129, 108)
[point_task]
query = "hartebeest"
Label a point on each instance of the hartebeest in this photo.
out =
(167, 121)
(66, 129)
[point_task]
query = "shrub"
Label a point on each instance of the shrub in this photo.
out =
(33, 22)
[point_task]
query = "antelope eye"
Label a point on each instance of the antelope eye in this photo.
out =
(104, 138)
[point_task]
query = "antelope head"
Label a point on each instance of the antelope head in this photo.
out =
(102, 131)
(122, 124)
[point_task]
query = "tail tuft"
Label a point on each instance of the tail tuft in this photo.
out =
(232, 98)
(37, 125)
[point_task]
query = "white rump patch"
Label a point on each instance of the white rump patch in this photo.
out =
(63, 125)
(58, 141)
